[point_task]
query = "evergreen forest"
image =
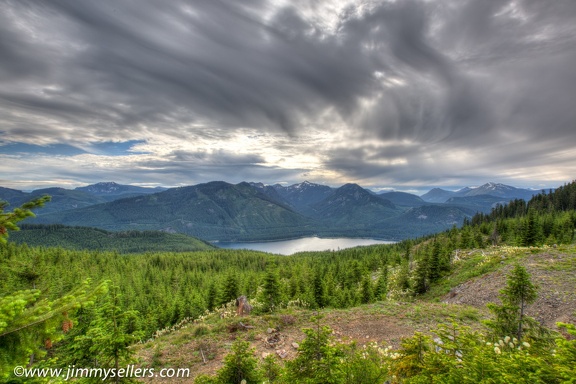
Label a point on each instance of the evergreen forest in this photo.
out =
(61, 306)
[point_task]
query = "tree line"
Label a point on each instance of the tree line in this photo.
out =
(69, 304)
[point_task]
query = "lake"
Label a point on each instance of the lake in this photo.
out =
(289, 247)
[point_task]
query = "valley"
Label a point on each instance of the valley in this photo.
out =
(220, 211)
(368, 305)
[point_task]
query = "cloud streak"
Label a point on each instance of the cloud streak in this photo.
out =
(381, 93)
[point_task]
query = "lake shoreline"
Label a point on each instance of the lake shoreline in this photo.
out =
(216, 242)
(306, 244)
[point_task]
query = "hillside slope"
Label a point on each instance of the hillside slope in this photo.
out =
(98, 239)
(211, 211)
(475, 281)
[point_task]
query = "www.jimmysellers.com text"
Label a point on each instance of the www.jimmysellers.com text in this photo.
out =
(73, 372)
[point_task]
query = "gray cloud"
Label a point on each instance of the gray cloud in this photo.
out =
(492, 80)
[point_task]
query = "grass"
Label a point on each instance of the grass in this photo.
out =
(472, 264)
(214, 334)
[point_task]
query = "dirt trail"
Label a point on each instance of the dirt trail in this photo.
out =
(553, 273)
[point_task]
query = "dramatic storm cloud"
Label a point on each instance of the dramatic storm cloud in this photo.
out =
(399, 94)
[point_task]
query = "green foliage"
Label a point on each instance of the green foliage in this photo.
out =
(366, 365)
(460, 355)
(80, 238)
(211, 211)
(318, 361)
(271, 293)
(381, 288)
(165, 288)
(531, 232)
(420, 276)
(366, 290)
(30, 324)
(108, 336)
(456, 354)
(411, 356)
(9, 220)
(509, 318)
(565, 364)
(547, 218)
(270, 369)
(230, 289)
(240, 366)
(28, 321)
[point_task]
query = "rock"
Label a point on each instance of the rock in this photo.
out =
(282, 353)
(243, 307)
(265, 355)
(295, 345)
(270, 330)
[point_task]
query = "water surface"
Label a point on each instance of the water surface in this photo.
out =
(289, 247)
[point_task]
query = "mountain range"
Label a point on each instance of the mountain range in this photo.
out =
(220, 211)
(502, 191)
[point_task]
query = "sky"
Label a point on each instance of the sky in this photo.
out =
(401, 94)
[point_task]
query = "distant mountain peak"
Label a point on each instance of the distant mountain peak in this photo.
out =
(101, 187)
(111, 188)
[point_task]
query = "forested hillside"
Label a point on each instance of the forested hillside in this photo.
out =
(46, 310)
(87, 238)
(211, 211)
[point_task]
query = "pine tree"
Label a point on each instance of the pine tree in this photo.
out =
(531, 233)
(421, 273)
(366, 290)
(9, 220)
(466, 238)
(240, 365)
(229, 289)
(519, 292)
(318, 361)
(110, 334)
(271, 289)
(30, 325)
(434, 266)
(212, 296)
(382, 284)
(510, 318)
(318, 290)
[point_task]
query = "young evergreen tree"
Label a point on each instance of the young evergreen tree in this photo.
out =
(271, 289)
(434, 265)
(229, 289)
(531, 234)
(318, 361)
(212, 296)
(29, 323)
(110, 334)
(240, 366)
(519, 292)
(403, 278)
(510, 318)
(366, 290)
(466, 238)
(421, 273)
(318, 290)
(382, 284)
